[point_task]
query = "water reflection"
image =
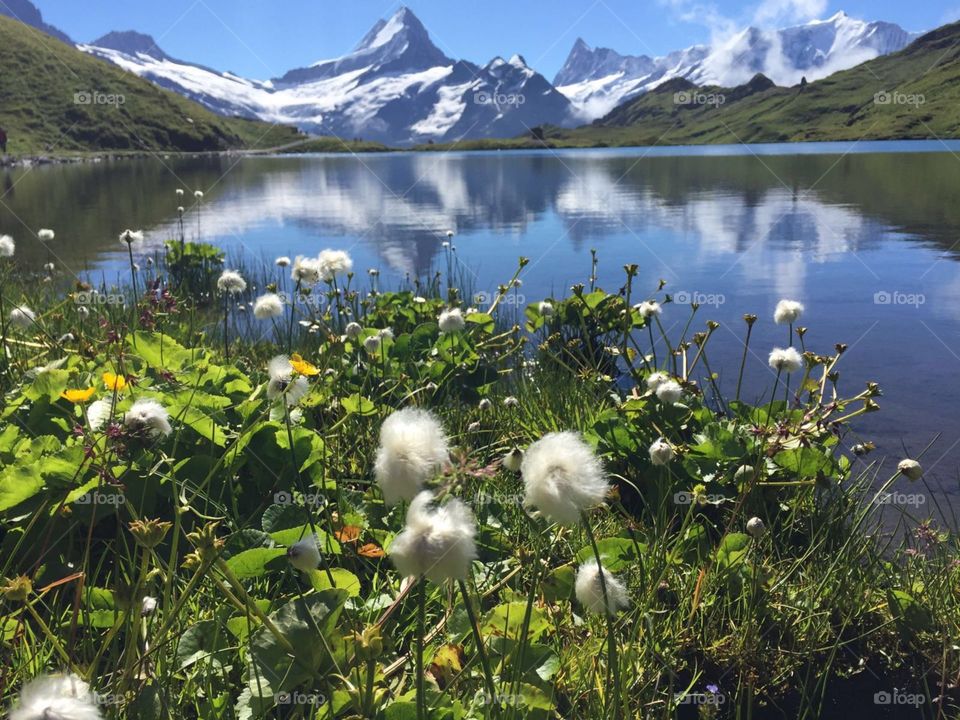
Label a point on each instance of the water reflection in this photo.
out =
(836, 231)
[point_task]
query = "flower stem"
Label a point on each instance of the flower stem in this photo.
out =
(421, 614)
(481, 650)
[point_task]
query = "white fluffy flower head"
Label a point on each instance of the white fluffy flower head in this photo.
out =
(333, 263)
(305, 271)
(268, 306)
(786, 360)
(910, 468)
(451, 320)
(669, 392)
(98, 414)
(282, 261)
(648, 309)
(413, 448)
(545, 308)
(148, 416)
(304, 555)
(46, 235)
(129, 237)
(756, 528)
(22, 317)
(661, 452)
(7, 246)
(353, 330)
(282, 383)
(787, 312)
(231, 282)
(562, 477)
(56, 697)
(437, 542)
(590, 591)
(655, 380)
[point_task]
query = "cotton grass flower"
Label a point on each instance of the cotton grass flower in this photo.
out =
(413, 448)
(46, 235)
(268, 306)
(353, 330)
(655, 380)
(910, 468)
(562, 477)
(785, 360)
(648, 309)
(372, 344)
(129, 237)
(231, 282)
(332, 263)
(451, 320)
(282, 261)
(7, 246)
(282, 383)
(513, 460)
(661, 452)
(305, 554)
(22, 317)
(98, 414)
(150, 417)
(148, 606)
(545, 309)
(669, 392)
(787, 312)
(306, 271)
(198, 194)
(511, 402)
(756, 528)
(590, 591)
(437, 542)
(56, 697)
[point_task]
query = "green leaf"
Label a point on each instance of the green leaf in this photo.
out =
(506, 620)
(19, 483)
(160, 351)
(357, 404)
(343, 579)
(253, 563)
(616, 553)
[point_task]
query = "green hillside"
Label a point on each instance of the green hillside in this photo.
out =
(58, 100)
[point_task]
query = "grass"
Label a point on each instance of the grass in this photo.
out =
(812, 618)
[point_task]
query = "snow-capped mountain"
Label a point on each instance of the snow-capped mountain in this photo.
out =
(597, 80)
(396, 87)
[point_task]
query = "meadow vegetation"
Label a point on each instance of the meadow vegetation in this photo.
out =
(290, 492)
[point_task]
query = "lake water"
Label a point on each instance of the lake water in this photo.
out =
(863, 233)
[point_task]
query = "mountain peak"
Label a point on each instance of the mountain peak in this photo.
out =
(403, 26)
(28, 13)
(131, 42)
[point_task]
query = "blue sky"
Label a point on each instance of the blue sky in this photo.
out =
(265, 38)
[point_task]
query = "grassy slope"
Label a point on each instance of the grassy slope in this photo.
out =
(40, 76)
(840, 107)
